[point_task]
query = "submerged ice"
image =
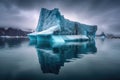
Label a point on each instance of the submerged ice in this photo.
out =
(52, 23)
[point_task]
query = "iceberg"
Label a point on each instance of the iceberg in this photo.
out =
(52, 26)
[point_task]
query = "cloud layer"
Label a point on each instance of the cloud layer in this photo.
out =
(25, 13)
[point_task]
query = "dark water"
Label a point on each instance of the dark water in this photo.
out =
(92, 60)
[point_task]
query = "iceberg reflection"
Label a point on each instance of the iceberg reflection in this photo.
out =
(53, 55)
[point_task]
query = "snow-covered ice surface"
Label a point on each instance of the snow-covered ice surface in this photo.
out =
(73, 37)
(48, 31)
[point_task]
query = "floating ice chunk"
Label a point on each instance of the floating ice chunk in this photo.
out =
(58, 39)
(74, 37)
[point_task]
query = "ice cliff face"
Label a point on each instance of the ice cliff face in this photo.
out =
(48, 18)
(51, 18)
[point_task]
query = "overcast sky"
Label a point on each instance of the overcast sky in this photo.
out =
(25, 13)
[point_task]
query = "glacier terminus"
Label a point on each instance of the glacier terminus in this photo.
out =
(53, 27)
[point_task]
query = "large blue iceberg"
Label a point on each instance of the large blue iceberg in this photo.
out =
(52, 26)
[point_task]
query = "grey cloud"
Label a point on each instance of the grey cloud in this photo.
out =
(104, 13)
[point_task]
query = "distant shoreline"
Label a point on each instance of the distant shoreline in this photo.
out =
(13, 37)
(10, 37)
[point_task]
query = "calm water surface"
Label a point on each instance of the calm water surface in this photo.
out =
(21, 59)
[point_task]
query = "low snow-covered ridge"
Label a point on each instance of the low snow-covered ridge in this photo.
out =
(13, 37)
